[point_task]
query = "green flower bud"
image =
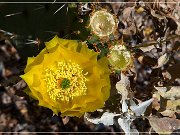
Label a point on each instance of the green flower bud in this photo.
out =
(103, 23)
(120, 58)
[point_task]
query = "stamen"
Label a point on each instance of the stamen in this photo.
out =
(65, 81)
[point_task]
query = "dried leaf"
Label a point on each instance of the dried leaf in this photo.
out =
(162, 89)
(172, 94)
(132, 103)
(65, 120)
(173, 105)
(174, 71)
(116, 7)
(127, 12)
(146, 60)
(156, 101)
(166, 75)
(124, 106)
(125, 125)
(168, 113)
(147, 48)
(153, 12)
(131, 30)
(141, 108)
(123, 86)
(169, 108)
(164, 125)
(106, 119)
(163, 60)
(134, 132)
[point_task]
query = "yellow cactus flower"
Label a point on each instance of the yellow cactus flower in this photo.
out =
(66, 77)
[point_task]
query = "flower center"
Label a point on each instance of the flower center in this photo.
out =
(65, 81)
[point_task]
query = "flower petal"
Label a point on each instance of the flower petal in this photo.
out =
(95, 71)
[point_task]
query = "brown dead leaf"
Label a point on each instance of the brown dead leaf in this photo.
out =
(65, 120)
(131, 30)
(116, 7)
(173, 92)
(146, 60)
(168, 113)
(166, 107)
(8, 72)
(174, 71)
(127, 13)
(173, 105)
(156, 101)
(157, 14)
(164, 125)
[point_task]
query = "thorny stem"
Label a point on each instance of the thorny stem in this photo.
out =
(154, 43)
